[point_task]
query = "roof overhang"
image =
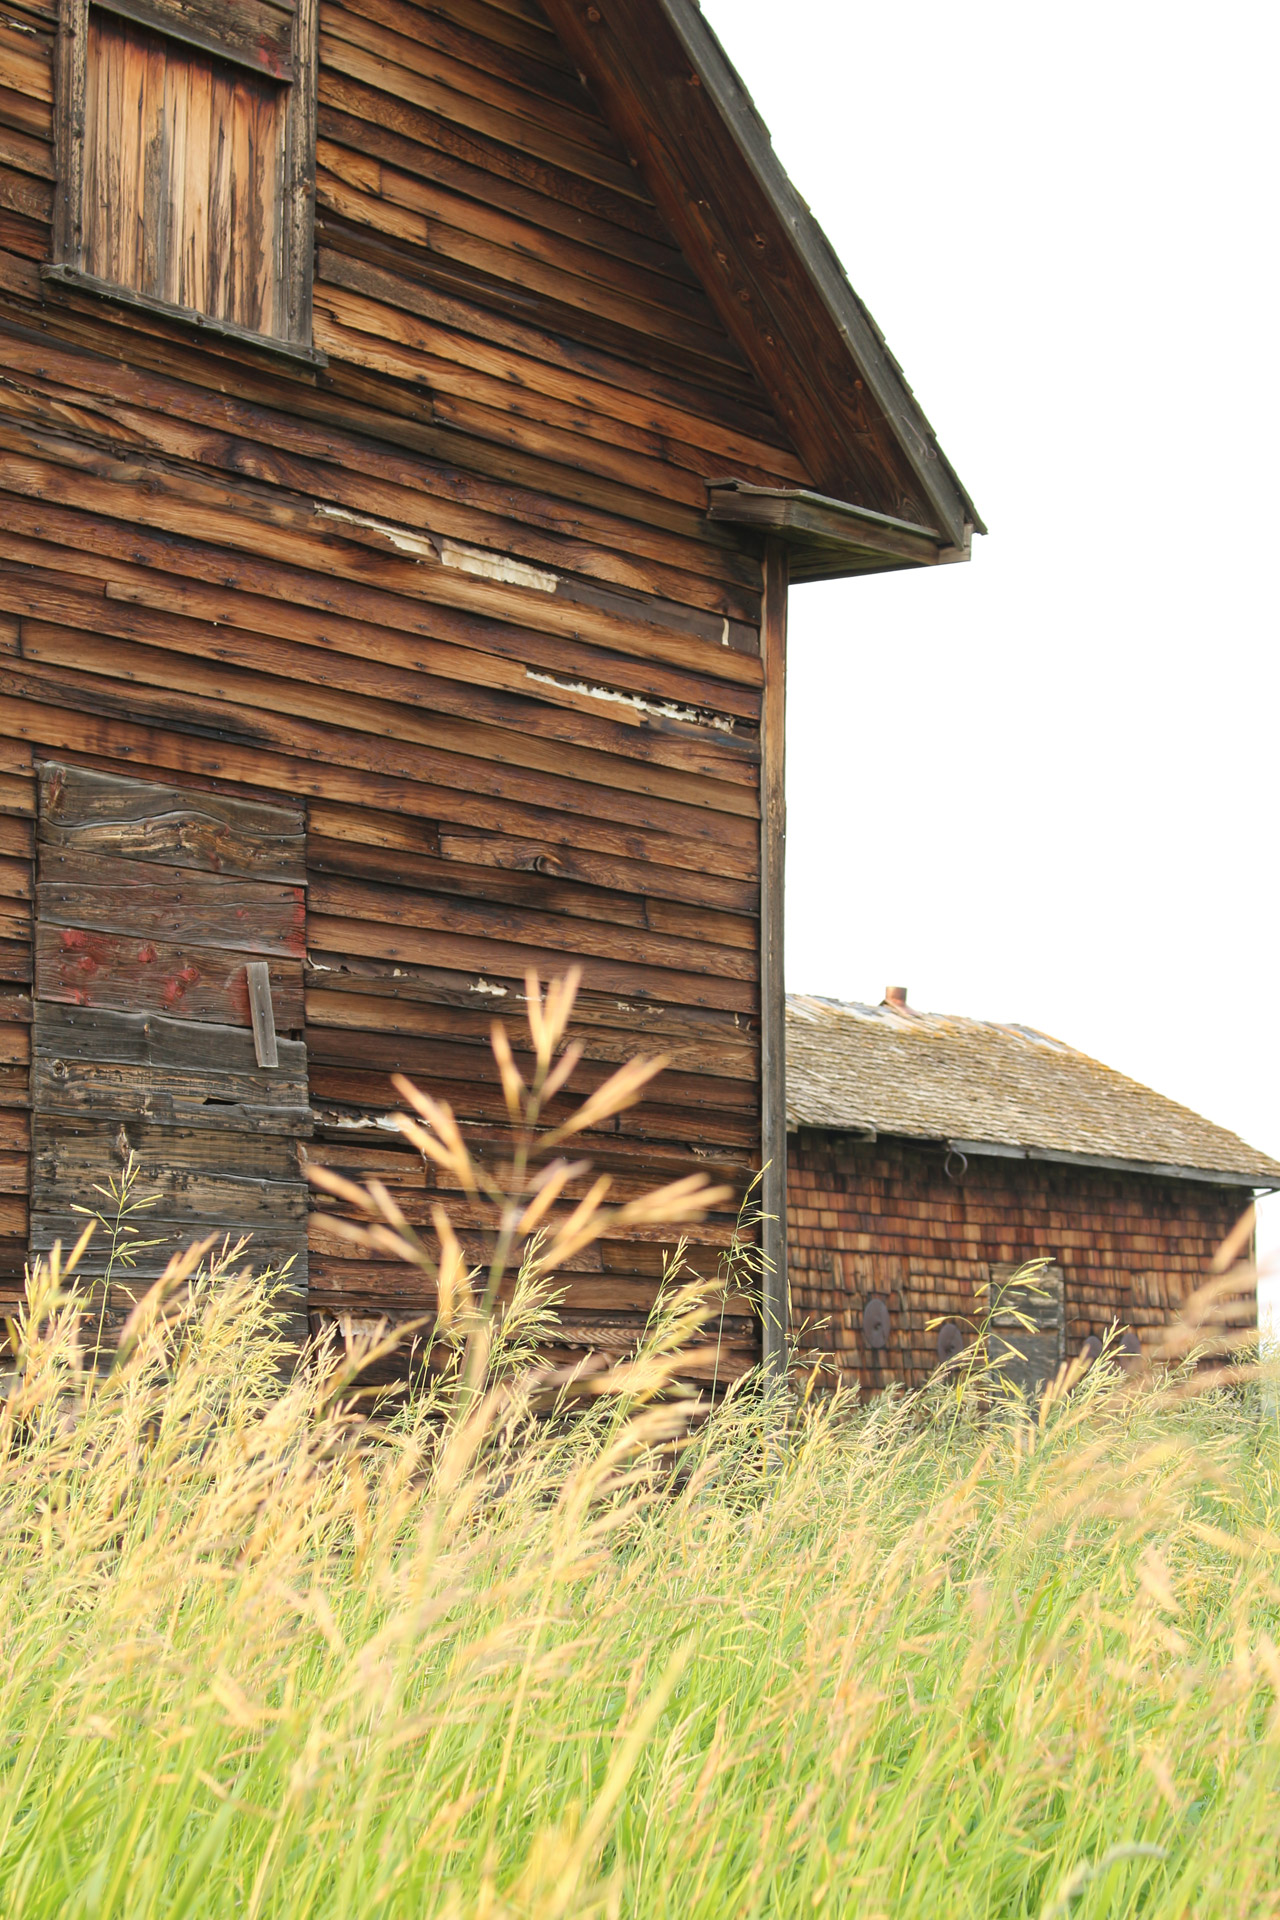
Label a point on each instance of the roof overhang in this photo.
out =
(864, 1132)
(1153, 1169)
(666, 85)
(829, 539)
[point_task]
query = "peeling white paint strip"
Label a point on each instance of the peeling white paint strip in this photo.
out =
(486, 986)
(421, 545)
(664, 709)
(448, 553)
(496, 566)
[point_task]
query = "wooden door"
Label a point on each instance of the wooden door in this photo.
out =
(1029, 1356)
(162, 915)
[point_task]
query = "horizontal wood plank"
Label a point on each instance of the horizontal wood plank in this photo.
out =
(282, 547)
(333, 441)
(485, 795)
(86, 967)
(97, 892)
(575, 740)
(435, 1058)
(228, 1179)
(537, 889)
(349, 1085)
(86, 812)
(71, 1033)
(266, 1247)
(469, 953)
(333, 896)
(650, 1028)
(167, 1097)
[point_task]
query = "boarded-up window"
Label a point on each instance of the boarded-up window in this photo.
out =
(186, 135)
(159, 910)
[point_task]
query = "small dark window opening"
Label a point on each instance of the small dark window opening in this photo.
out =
(186, 150)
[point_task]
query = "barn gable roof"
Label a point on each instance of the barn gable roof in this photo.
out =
(882, 492)
(988, 1088)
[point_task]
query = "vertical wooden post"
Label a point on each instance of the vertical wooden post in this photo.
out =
(773, 1043)
(298, 230)
(70, 60)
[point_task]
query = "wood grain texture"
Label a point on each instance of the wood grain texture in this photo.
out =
(688, 1048)
(183, 175)
(283, 544)
(462, 647)
(83, 811)
(743, 242)
(226, 1178)
(100, 893)
(534, 886)
(75, 1034)
(211, 1132)
(68, 711)
(458, 594)
(263, 1245)
(185, 157)
(578, 737)
(256, 34)
(773, 1031)
(169, 1097)
(85, 967)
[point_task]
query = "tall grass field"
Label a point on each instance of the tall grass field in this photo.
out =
(269, 1650)
(262, 1656)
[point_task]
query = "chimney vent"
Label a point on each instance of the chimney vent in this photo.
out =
(895, 996)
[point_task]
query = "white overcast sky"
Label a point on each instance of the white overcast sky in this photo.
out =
(1043, 787)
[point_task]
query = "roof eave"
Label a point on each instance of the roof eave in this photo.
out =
(865, 343)
(1254, 1179)
(672, 95)
(829, 539)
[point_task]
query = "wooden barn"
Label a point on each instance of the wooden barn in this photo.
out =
(931, 1156)
(412, 413)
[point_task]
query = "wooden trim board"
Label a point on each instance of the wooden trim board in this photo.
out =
(773, 1025)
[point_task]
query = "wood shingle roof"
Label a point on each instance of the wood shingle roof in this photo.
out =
(987, 1087)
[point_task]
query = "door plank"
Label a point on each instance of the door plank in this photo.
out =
(96, 891)
(229, 1179)
(142, 1039)
(89, 1090)
(88, 968)
(84, 811)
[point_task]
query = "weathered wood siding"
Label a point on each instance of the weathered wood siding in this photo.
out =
(881, 1220)
(17, 839)
(457, 590)
(187, 207)
(129, 1058)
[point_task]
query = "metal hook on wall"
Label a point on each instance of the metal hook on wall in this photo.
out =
(954, 1153)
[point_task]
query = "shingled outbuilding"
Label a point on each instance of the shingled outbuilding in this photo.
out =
(412, 413)
(931, 1155)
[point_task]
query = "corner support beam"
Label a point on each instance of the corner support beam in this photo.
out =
(773, 1005)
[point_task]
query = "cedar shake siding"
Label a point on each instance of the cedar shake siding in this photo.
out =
(884, 1218)
(931, 1154)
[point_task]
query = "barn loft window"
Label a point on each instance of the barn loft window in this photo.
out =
(186, 140)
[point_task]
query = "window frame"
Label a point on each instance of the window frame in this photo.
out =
(179, 22)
